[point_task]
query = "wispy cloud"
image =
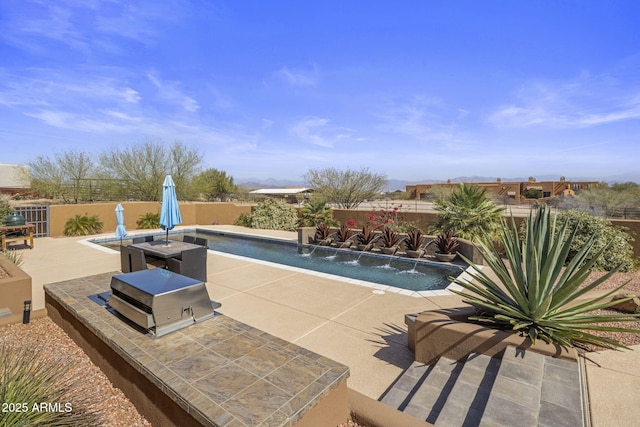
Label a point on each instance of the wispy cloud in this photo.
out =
(422, 118)
(583, 102)
(171, 92)
(299, 78)
(87, 26)
(309, 129)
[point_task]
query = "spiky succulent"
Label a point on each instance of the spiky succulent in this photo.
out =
(539, 296)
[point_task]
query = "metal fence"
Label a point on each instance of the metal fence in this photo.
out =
(38, 215)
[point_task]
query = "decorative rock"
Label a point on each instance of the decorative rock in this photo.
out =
(630, 306)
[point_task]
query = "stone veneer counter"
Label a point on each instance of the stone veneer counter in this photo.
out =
(222, 372)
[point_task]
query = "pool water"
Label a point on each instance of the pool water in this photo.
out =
(404, 273)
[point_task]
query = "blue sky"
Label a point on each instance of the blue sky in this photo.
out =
(269, 89)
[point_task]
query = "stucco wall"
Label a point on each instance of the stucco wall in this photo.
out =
(192, 214)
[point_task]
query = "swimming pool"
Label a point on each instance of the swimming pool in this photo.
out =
(403, 273)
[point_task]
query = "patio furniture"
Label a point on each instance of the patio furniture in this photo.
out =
(201, 241)
(125, 259)
(192, 263)
(142, 239)
(189, 239)
(138, 260)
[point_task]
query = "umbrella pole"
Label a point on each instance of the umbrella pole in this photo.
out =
(167, 239)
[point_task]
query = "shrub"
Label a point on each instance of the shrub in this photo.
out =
(536, 296)
(619, 252)
(244, 220)
(5, 208)
(81, 225)
(29, 378)
(316, 212)
(148, 221)
(469, 213)
(274, 214)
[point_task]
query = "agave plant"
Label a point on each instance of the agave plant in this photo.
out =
(367, 235)
(446, 242)
(537, 297)
(344, 233)
(322, 232)
(414, 240)
(389, 237)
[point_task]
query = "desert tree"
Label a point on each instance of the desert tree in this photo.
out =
(214, 184)
(141, 168)
(63, 176)
(347, 189)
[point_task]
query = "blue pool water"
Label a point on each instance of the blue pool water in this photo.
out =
(398, 272)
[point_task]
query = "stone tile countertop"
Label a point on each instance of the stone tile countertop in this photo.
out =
(225, 373)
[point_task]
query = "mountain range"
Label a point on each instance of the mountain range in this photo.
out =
(397, 184)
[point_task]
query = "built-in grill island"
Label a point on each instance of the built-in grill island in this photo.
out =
(159, 300)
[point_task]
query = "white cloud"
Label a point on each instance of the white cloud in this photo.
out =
(299, 78)
(308, 131)
(170, 91)
(583, 102)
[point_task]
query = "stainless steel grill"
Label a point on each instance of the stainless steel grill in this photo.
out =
(159, 300)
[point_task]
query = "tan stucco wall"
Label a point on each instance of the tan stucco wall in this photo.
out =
(15, 290)
(192, 214)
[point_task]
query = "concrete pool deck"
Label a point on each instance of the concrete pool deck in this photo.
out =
(350, 324)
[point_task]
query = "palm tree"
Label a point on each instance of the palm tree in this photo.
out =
(537, 296)
(468, 212)
(316, 212)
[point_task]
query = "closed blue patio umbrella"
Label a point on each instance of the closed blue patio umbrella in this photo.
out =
(170, 211)
(121, 232)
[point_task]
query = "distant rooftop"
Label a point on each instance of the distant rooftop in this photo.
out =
(282, 191)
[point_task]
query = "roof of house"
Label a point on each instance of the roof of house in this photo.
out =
(281, 191)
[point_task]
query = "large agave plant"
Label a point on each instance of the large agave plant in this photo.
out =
(537, 296)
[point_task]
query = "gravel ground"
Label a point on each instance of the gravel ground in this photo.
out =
(96, 391)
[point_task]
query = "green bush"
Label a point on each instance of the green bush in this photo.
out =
(619, 252)
(274, 214)
(314, 213)
(5, 208)
(244, 220)
(30, 376)
(469, 213)
(535, 296)
(148, 221)
(82, 225)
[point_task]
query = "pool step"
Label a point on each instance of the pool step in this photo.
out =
(521, 388)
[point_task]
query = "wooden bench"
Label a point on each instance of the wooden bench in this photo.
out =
(7, 230)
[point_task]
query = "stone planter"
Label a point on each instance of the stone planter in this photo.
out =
(414, 254)
(444, 257)
(389, 251)
(343, 244)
